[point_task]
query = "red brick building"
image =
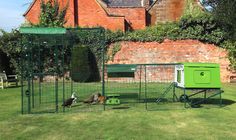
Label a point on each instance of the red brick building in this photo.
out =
(114, 14)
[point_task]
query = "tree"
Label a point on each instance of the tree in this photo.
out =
(224, 12)
(52, 15)
(10, 47)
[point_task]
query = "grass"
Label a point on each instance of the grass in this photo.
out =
(123, 124)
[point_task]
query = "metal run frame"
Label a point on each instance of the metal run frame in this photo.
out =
(58, 38)
(187, 98)
(32, 66)
(171, 88)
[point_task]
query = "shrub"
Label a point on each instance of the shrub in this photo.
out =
(202, 27)
(231, 47)
(10, 45)
(83, 65)
(80, 70)
(5, 63)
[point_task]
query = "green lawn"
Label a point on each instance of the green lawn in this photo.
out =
(123, 124)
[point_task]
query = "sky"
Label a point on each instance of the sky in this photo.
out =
(11, 13)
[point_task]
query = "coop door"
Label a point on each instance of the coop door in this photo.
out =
(179, 75)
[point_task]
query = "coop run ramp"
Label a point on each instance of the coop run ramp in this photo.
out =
(166, 91)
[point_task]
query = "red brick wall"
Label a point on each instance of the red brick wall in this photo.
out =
(172, 52)
(91, 14)
(136, 17)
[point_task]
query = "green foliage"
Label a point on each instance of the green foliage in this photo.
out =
(116, 48)
(192, 8)
(51, 15)
(80, 67)
(224, 12)
(83, 65)
(4, 63)
(113, 36)
(231, 47)
(93, 38)
(154, 33)
(10, 45)
(202, 27)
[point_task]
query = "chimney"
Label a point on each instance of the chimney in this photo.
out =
(142, 3)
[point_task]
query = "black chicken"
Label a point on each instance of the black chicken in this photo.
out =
(68, 102)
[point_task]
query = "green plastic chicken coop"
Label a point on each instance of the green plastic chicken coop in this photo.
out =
(197, 75)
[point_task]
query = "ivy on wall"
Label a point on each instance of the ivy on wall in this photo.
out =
(202, 27)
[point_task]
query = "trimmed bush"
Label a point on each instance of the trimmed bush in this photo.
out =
(80, 70)
(83, 65)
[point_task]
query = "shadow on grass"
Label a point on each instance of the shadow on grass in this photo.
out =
(225, 102)
(153, 100)
(76, 105)
(49, 111)
(211, 101)
(121, 107)
(13, 87)
(128, 96)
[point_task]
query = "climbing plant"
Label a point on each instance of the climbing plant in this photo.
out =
(51, 14)
(202, 27)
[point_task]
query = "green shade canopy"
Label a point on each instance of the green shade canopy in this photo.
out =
(42, 30)
(200, 64)
(121, 68)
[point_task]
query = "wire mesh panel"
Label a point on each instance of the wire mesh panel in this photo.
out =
(70, 76)
(85, 93)
(122, 86)
(25, 82)
(49, 80)
(160, 92)
(44, 98)
(41, 74)
(149, 86)
(85, 75)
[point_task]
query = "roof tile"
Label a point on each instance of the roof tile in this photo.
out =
(124, 3)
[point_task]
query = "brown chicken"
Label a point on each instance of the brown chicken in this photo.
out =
(101, 99)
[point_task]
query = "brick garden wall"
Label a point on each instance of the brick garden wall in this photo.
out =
(172, 52)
